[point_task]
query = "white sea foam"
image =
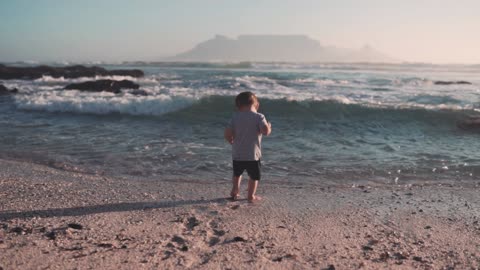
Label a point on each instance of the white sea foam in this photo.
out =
(321, 81)
(50, 79)
(102, 103)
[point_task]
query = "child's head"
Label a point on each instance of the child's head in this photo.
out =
(246, 100)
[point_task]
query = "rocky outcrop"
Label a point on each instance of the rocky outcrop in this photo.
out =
(103, 85)
(5, 91)
(451, 82)
(30, 73)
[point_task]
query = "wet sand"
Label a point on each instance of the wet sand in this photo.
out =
(52, 219)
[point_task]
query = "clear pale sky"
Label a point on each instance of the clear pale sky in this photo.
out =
(438, 31)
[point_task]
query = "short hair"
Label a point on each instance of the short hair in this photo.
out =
(245, 99)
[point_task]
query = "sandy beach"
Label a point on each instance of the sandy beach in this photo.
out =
(52, 219)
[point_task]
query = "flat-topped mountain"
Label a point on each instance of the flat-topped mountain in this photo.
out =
(283, 48)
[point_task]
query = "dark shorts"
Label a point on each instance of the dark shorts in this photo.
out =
(252, 167)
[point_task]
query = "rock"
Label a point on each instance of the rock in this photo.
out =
(103, 85)
(184, 248)
(330, 267)
(451, 82)
(5, 91)
(77, 71)
(367, 248)
(192, 222)
(278, 259)
(239, 239)
(428, 227)
(218, 232)
(51, 235)
(384, 256)
(75, 226)
(213, 241)
(400, 256)
(139, 92)
(105, 245)
(17, 230)
(373, 242)
(179, 240)
(417, 258)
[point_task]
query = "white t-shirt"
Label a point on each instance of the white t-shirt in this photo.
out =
(247, 135)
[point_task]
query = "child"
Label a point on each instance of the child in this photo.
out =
(244, 133)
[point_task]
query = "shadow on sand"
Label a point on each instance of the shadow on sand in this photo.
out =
(104, 208)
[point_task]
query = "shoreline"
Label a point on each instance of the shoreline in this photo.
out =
(62, 220)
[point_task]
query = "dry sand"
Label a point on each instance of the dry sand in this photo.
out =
(51, 219)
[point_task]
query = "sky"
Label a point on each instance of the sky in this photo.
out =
(431, 31)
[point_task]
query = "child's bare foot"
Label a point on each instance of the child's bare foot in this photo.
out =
(254, 199)
(234, 195)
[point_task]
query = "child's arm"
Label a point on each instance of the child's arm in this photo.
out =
(266, 129)
(264, 125)
(228, 135)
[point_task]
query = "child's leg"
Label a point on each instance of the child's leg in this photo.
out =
(252, 188)
(235, 186)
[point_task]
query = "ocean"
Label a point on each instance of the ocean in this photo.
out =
(332, 123)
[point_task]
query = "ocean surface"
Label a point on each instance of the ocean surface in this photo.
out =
(335, 123)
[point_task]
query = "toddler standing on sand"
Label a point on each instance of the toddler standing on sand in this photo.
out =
(244, 133)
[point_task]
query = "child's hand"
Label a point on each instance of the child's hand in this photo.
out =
(266, 130)
(228, 135)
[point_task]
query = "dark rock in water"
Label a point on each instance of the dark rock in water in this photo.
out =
(5, 91)
(103, 85)
(75, 226)
(451, 82)
(139, 92)
(31, 73)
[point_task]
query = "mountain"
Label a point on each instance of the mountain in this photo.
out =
(279, 48)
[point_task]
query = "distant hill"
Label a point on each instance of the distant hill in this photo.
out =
(281, 48)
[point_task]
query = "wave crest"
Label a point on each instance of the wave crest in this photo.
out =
(102, 103)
